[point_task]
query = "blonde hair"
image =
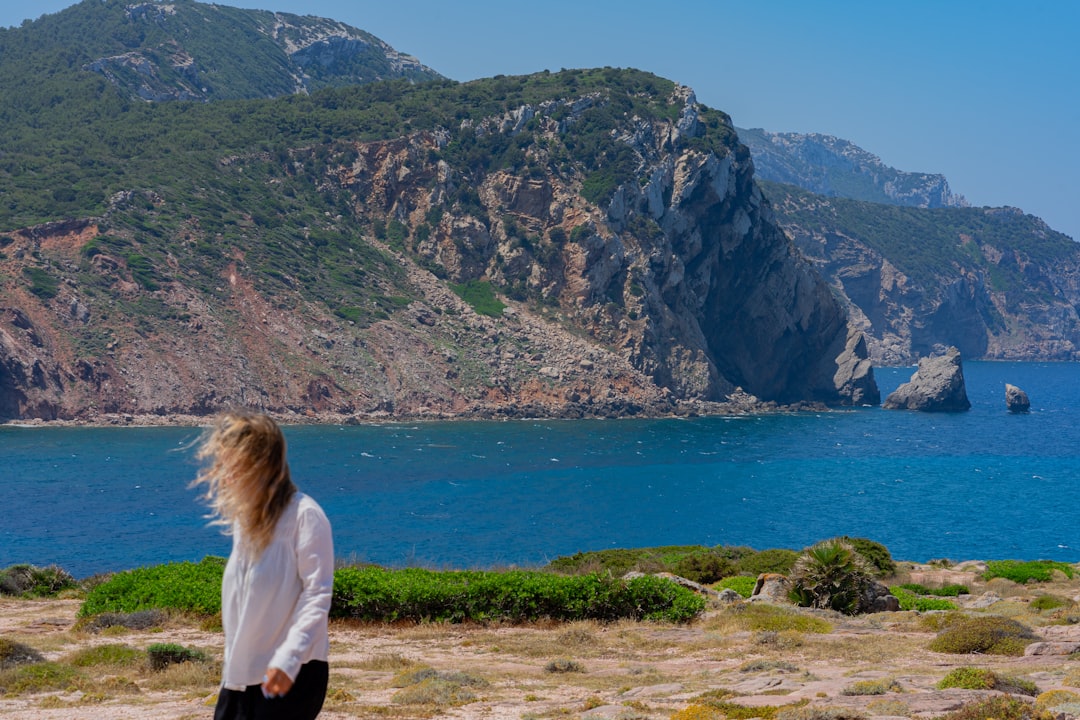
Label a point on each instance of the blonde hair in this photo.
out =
(246, 475)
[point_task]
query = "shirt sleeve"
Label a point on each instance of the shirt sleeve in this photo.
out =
(315, 565)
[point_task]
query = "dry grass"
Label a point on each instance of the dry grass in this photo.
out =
(649, 671)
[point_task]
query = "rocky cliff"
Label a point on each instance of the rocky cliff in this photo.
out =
(188, 50)
(994, 282)
(596, 247)
(831, 166)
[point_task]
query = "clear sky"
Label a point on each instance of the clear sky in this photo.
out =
(986, 92)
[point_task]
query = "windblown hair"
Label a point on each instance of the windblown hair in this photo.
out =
(246, 476)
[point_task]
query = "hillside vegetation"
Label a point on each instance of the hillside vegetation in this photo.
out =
(994, 282)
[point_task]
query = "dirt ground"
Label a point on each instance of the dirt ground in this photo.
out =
(623, 671)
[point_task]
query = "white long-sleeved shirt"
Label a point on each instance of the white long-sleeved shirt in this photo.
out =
(275, 610)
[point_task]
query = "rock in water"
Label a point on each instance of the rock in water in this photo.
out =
(1016, 399)
(936, 386)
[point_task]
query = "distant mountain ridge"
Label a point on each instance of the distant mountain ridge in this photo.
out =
(835, 167)
(157, 52)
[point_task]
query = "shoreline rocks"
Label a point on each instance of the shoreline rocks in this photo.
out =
(936, 386)
(1016, 400)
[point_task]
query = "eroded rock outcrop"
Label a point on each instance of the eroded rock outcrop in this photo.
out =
(936, 386)
(1016, 400)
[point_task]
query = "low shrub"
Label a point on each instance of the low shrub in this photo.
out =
(184, 586)
(774, 560)
(875, 553)
(767, 665)
(373, 593)
(988, 634)
(872, 687)
(33, 581)
(564, 665)
(910, 601)
(761, 617)
(39, 677)
(1048, 602)
(139, 620)
(14, 653)
(946, 591)
(713, 705)
(162, 655)
(427, 686)
(742, 584)
(819, 712)
(1054, 698)
(1000, 707)
(1023, 572)
(972, 678)
(111, 654)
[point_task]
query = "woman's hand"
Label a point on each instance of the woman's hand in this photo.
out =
(276, 683)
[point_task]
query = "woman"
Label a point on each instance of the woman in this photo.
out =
(275, 596)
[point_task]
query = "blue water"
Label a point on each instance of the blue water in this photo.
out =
(982, 484)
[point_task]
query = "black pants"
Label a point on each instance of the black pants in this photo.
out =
(303, 701)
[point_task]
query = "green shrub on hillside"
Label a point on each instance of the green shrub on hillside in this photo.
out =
(910, 601)
(695, 562)
(1001, 707)
(33, 581)
(875, 553)
(971, 678)
(773, 560)
(984, 634)
(192, 587)
(373, 593)
(946, 591)
(742, 584)
(1022, 572)
(480, 296)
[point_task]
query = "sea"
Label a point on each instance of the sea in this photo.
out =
(983, 484)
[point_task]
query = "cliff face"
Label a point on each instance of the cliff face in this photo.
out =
(993, 282)
(662, 284)
(188, 50)
(832, 166)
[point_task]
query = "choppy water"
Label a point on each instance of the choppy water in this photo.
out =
(981, 484)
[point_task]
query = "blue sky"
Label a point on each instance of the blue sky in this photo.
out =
(984, 91)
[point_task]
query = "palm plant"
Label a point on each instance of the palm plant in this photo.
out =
(831, 575)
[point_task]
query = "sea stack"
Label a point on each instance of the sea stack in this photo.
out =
(1016, 399)
(936, 386)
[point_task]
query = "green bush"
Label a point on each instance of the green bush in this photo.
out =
(946, 591)
(185, 586)
(162, 655)
(703, 568)
(831, 575)
(985, 634)
(1023, 572)
(872, 687)
(377, 594)
(773, 560)
(480, 296)
(910, 601)
(875, 553)
(109, 654)
(15, 653)
(742, 584)
(1048, 602)
(39, 677)
(971, 678)
(32, 581)
(1001, 707)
